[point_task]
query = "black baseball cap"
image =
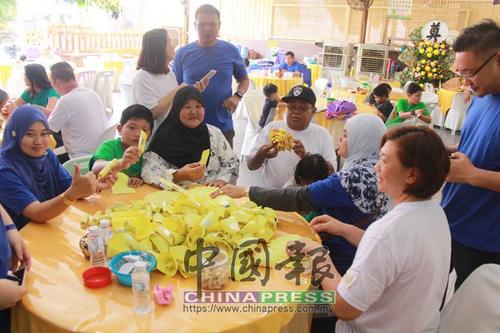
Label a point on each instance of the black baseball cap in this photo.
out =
(301, 92)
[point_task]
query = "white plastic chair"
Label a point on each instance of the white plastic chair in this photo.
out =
(456, 114)
(83, 162)
(86, 79)
(437, 117)
(103, 85)
(319, 86)
(475, 307)
(108, 134)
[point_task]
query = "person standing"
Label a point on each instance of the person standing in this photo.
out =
(472, 195)
(193, 61)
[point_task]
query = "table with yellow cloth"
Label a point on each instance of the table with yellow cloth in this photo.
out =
(5, 74)
(284, 84)
(445, 97)
(334, 126)
(57, 301)
(316, 71)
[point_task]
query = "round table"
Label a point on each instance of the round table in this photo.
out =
(57, 301)
(284, 84)
(445, 98)
(316, 71)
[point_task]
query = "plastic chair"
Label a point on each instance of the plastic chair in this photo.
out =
(103, 85)
(437, 117)
(252, 106)
(108, 134)
(456, 115)
(475, 307)
(320, 86)
(82, 162)
(337, 84)
(86, 79)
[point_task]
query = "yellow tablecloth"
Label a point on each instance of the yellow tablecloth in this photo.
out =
(444, 99)
(5, 73)
(57, 301)
(284, 84)
(316, 71)
(334, 126)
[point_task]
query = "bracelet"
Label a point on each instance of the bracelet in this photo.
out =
(66, 201)
(10, 227)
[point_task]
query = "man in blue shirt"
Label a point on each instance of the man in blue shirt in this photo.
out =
(193, 61)
(471, 198)
(290, 65)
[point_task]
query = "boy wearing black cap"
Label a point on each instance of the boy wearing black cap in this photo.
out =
(276, 167)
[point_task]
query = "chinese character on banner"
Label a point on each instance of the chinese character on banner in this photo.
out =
(249, 253)
(435, 31)
(296, 260)
(399, 9)
(320, 271)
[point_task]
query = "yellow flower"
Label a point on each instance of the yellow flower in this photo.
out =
(436, 52)
(423, 61)
(441, 76)
(442, 46)
(427, 68)
(429, 49)
(429, 74)
(422, 73)
(436, 45)
(429, 55)
(427, 42)
(421, 43)
(417, 69)
(434, 70)
(421, 51)
(433, 64)
(421, 85)
(443, 53)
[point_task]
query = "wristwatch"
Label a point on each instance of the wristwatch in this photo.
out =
(11, 226)
(239, 94)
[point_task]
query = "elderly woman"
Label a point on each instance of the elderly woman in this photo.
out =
(350, 195)
(177, 146)
(398, 277)
(33, 184)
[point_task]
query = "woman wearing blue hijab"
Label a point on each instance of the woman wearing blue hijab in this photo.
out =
(33, 184)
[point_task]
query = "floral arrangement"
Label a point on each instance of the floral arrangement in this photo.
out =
(427, 61)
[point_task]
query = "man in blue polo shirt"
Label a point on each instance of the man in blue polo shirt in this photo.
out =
(290, 65)
(193, 61)
(471, 198)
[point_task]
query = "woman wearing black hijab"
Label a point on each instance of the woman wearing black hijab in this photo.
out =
(176, 148)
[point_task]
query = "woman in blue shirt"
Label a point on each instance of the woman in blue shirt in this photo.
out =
(350, 195)
(33, 184)
(10, 291)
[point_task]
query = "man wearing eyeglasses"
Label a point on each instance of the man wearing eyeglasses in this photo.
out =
(193, 61)
(471, 198)
(278, 167)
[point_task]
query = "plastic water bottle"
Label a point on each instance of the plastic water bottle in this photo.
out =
(106, 233)
(140, 287)
(328, 90)
(96, 247)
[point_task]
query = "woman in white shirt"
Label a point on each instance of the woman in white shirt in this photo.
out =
(176, 149)
(398, 277)
(154, 84)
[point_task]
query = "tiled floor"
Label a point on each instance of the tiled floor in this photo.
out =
(248, 177)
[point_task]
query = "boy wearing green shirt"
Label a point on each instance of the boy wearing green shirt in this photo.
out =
(410, 108)
(125, 149)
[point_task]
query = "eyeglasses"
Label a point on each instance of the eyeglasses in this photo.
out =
(470, 76)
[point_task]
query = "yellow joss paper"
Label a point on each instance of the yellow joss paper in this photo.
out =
(121, 185)
(204, 157)
(167, 264)
(107, 169)
(166, 234)
(159, 243)
(277, 248)
(196, 232)
(116, 244)
(142, 142)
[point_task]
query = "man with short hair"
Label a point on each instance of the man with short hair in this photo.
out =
(471, 198)
(193, 61)
(278, 167)
(79, 114)
(290, 65)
